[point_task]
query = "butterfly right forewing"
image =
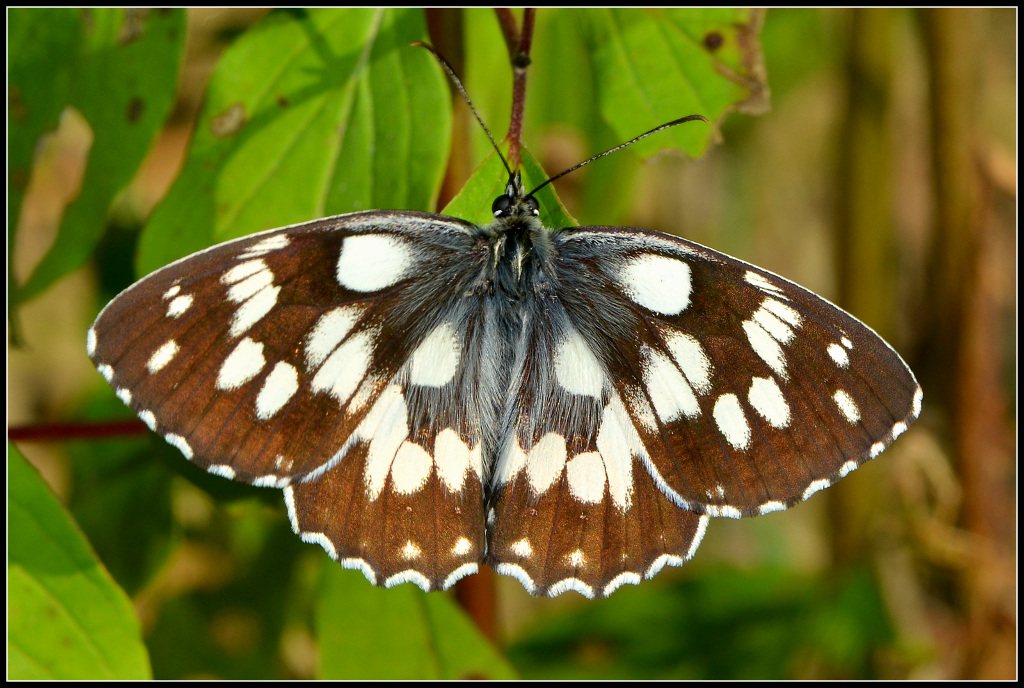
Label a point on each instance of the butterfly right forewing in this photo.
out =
(750, 392)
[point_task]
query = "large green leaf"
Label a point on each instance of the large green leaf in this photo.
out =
(118, 69)
(398, 633)
(66, 618)
(656, 65)
(610, 75)
(309, 113)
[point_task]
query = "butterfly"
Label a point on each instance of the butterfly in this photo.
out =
(569, 406)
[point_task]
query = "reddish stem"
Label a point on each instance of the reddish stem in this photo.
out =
(518, 44)
(54, 432)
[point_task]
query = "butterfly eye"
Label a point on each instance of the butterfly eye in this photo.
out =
(502, 204)
(534, 206)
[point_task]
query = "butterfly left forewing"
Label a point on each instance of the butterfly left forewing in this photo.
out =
(750, 392)
(316, 358)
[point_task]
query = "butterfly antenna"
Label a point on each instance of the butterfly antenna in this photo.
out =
(458, 84)
(688, 118)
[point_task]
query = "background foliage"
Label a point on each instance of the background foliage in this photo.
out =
(884, 171)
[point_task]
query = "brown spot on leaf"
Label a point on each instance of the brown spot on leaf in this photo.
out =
(133, 27)
(713, 41)
(229, 121)
(15, 103)
(136, 107)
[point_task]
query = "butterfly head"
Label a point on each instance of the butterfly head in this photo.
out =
(515, 202)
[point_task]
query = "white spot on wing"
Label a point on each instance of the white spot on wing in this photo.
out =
(222, 470)
(253, 310)
(106, 371)
(876, 449)
(847, 406)
(90, 341)
(769, 507)
(411, 468)
(344, 369)
(765, 346)
(458, 574)
(521, 548)
(691, 358)
(702, 527)
(545, 462)
(370, 262)
(571, 584)
(278, 389)
(148, 418)
(181, 444)
(463, 546)
(768, 400)
(125, 395)
(410, 576)
(360, 565)
(332, 327)
(242, 271)
(816, 486)
(838, 355)
(411, 550)
(452, 457)
(657, 283)
(576, 558)
(513, 460)
(624, 578)
(436, 359)
(253, 284)
(179, 305)
(172, 292)
(618, 442)
(576, 367)
(731, 421)
(585, 474)
(784, 312)
(386, 427)
(847, 468)
(918, 398)
(724, 511)
(670, 393)
(162, 356)
(241, 365)
(519, 573)
(664, 560)
(761, 282)
(265, 246)
(779, 330)
(325, 542)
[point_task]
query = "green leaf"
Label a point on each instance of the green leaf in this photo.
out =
(473, 202)
(657, 65)
(309, 113)
(66, 617)
(398, 633)
(653, 66)
(118, 69)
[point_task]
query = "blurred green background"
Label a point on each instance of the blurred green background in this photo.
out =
(882, 176)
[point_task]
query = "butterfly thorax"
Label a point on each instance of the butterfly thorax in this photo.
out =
(519, 244)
